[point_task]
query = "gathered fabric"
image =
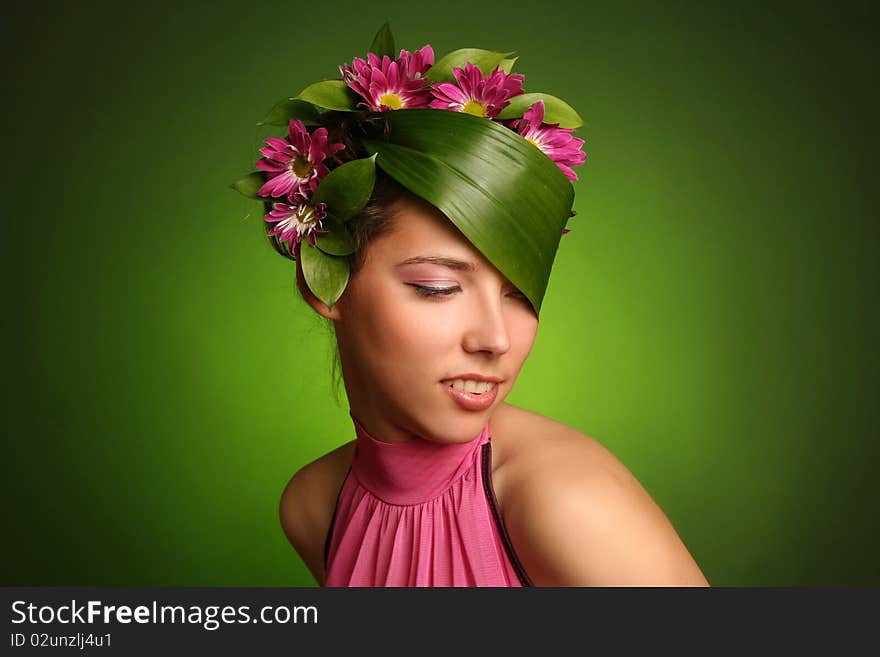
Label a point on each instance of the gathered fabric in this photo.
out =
(419, 513)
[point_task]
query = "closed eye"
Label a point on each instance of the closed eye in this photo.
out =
(519, 296)
(425, 291)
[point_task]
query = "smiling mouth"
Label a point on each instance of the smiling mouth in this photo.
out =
(469, 386)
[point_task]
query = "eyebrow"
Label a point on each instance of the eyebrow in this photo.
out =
(451, 263)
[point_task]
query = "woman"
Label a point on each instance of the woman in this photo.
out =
(429, 247)
(575, 515)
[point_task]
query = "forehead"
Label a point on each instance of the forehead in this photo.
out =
(421, 229)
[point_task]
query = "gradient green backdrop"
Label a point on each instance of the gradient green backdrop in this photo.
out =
(709, 318)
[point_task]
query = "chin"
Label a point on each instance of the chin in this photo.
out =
(461, 426)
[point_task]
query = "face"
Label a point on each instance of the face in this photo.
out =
(426, 307)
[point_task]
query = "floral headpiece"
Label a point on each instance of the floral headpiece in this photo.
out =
(460, 133)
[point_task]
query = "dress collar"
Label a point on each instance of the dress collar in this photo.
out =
(414, 471)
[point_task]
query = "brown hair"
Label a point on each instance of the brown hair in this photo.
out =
(373, 221)
(376, 218)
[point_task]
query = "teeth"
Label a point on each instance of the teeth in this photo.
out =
(469, 385)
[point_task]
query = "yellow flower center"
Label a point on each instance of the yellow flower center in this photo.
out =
(475, 108)
(532, 141)
(391, 101)
(301, 166)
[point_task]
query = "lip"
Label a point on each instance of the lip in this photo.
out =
(476, 377)
(472, 401)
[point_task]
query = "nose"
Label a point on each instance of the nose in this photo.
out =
(487, 329)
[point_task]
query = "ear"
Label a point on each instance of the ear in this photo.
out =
(319, 306)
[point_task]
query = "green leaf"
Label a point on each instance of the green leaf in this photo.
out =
(326, 275)
(506, 65)
(250, 185)
(338, 241)
(507, 198)
(329, 94)
(555, 110)
(347, 188)
(486, 60)
(292, 108)
(383, 42)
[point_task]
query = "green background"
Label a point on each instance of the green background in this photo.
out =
(709, 318)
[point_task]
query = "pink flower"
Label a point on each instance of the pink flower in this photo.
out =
(475, 94)
(388, 85)
(293, 221)
(556, 143)
(296, 164)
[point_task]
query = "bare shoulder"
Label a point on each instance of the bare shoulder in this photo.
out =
(307, 505)
(526, 441)
(576, 514)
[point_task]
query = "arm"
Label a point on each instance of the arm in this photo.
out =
(300, 524)
(307, 505)
(580, 518)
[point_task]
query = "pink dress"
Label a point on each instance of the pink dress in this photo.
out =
(419, 513)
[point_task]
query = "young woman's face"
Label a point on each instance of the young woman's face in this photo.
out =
(425, 308)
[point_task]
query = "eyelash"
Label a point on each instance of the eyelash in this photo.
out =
(434, 292)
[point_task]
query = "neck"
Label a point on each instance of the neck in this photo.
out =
(379, 429)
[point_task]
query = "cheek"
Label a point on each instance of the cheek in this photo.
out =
(401, 332)
(523, 330)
